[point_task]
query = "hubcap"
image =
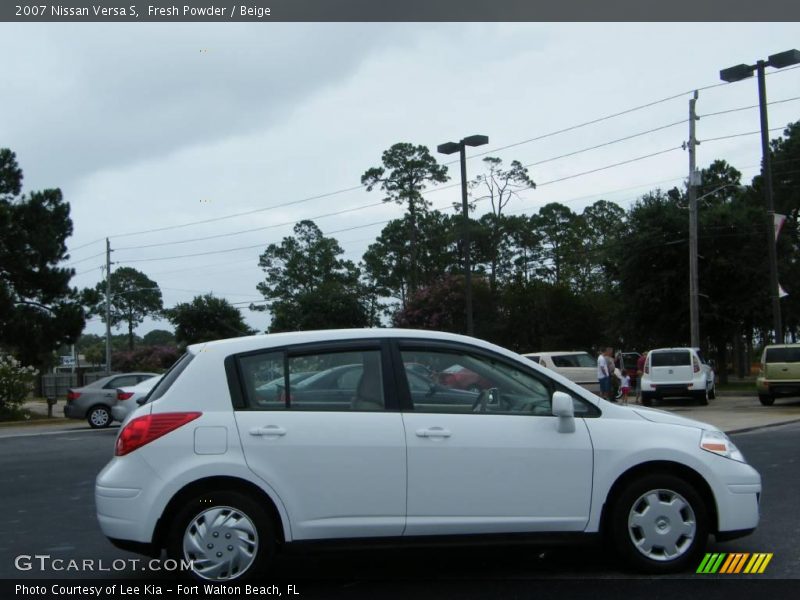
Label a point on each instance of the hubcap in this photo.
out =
(221, 542)
(99, 417)
(662, 525)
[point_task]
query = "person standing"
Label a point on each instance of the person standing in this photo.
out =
(603, 374)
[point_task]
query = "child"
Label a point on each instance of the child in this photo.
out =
(625, 386)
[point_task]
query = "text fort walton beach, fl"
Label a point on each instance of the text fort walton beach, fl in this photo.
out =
(157, 590)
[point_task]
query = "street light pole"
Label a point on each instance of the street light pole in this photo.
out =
(460, 147)
(737, 73)
(771, 240)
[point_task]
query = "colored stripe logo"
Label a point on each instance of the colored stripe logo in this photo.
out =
(734, 563)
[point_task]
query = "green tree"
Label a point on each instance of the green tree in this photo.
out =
(134, 296)
(557, 226)
(405, 172)
(159, 337)
(499, 186)
(206, 318)
(38, 310)
(308, 285)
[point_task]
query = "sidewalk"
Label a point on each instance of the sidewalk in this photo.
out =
(731, 412)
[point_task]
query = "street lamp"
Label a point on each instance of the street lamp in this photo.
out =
(737, 73)
(460, 147)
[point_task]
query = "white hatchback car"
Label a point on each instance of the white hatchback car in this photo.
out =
(220, 475)
(671, 372)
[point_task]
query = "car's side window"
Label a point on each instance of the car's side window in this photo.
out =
(337, 381)
(124, 381)
(263, 380)
(466, 383)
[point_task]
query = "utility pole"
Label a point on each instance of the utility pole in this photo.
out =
(694, 305)
(108, 307)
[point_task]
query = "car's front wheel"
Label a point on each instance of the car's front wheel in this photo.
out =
(225, 535)
(99, 417)
(766, 399)
(659, 524)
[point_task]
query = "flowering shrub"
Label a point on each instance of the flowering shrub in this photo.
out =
(16, 382)
(146, 358)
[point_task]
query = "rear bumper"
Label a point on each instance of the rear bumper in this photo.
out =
(778, 387)
(71, 411)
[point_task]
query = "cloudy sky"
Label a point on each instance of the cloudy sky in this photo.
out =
(162, 126)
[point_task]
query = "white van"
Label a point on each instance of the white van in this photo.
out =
(576, 366)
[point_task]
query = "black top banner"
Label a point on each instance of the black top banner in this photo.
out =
(400, 10)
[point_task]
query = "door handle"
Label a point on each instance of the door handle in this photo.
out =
(434, 432)
(269, 431)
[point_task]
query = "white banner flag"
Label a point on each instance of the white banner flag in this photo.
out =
(779, 221)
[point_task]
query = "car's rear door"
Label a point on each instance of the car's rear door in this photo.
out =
(337, 464)
(671, 366)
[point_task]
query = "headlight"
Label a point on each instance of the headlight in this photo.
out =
(719, 443)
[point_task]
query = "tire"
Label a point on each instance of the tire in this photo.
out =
(99, 417)
(647, 399)
(712, 394)
(766, 399)
(668, 543)
(227, 516)
(702, 398)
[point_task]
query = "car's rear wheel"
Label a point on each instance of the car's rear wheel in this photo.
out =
(99, 417)
(712, 394)
(647, 399)
(226, 535)
(659, 524)
(766, 399)
(702, 397)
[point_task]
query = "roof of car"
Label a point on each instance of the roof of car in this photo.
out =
(256, 342)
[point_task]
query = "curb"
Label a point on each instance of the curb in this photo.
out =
(766, 426)
(34, 422)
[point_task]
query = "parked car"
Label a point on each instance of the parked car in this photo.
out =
(203, 471)
(677, 372)
(779, 374)
(127, 398)
(576, 366)
(94, 401)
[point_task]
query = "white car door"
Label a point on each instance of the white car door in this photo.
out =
(492, 462)
(334, 456)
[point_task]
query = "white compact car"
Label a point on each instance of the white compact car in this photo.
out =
(220, 475)
(128, 398)
(676, 372)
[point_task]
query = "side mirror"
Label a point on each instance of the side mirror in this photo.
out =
(564, 409)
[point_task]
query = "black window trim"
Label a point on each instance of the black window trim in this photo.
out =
(236, 377)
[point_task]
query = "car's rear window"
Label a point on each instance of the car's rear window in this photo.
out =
(573, 360)
(169, 377)
(783, 355)
(673, 358)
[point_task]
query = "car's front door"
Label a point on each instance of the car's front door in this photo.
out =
(496, 462)
(337, 461)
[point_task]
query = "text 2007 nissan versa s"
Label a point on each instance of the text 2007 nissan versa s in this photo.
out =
(222, 469)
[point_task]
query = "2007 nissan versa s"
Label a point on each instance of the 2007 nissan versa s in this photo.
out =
(221, 469)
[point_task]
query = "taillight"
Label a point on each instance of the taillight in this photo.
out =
(143, 430)
(647, 367)
(124, 395)
(72, 395)
(695, 364)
